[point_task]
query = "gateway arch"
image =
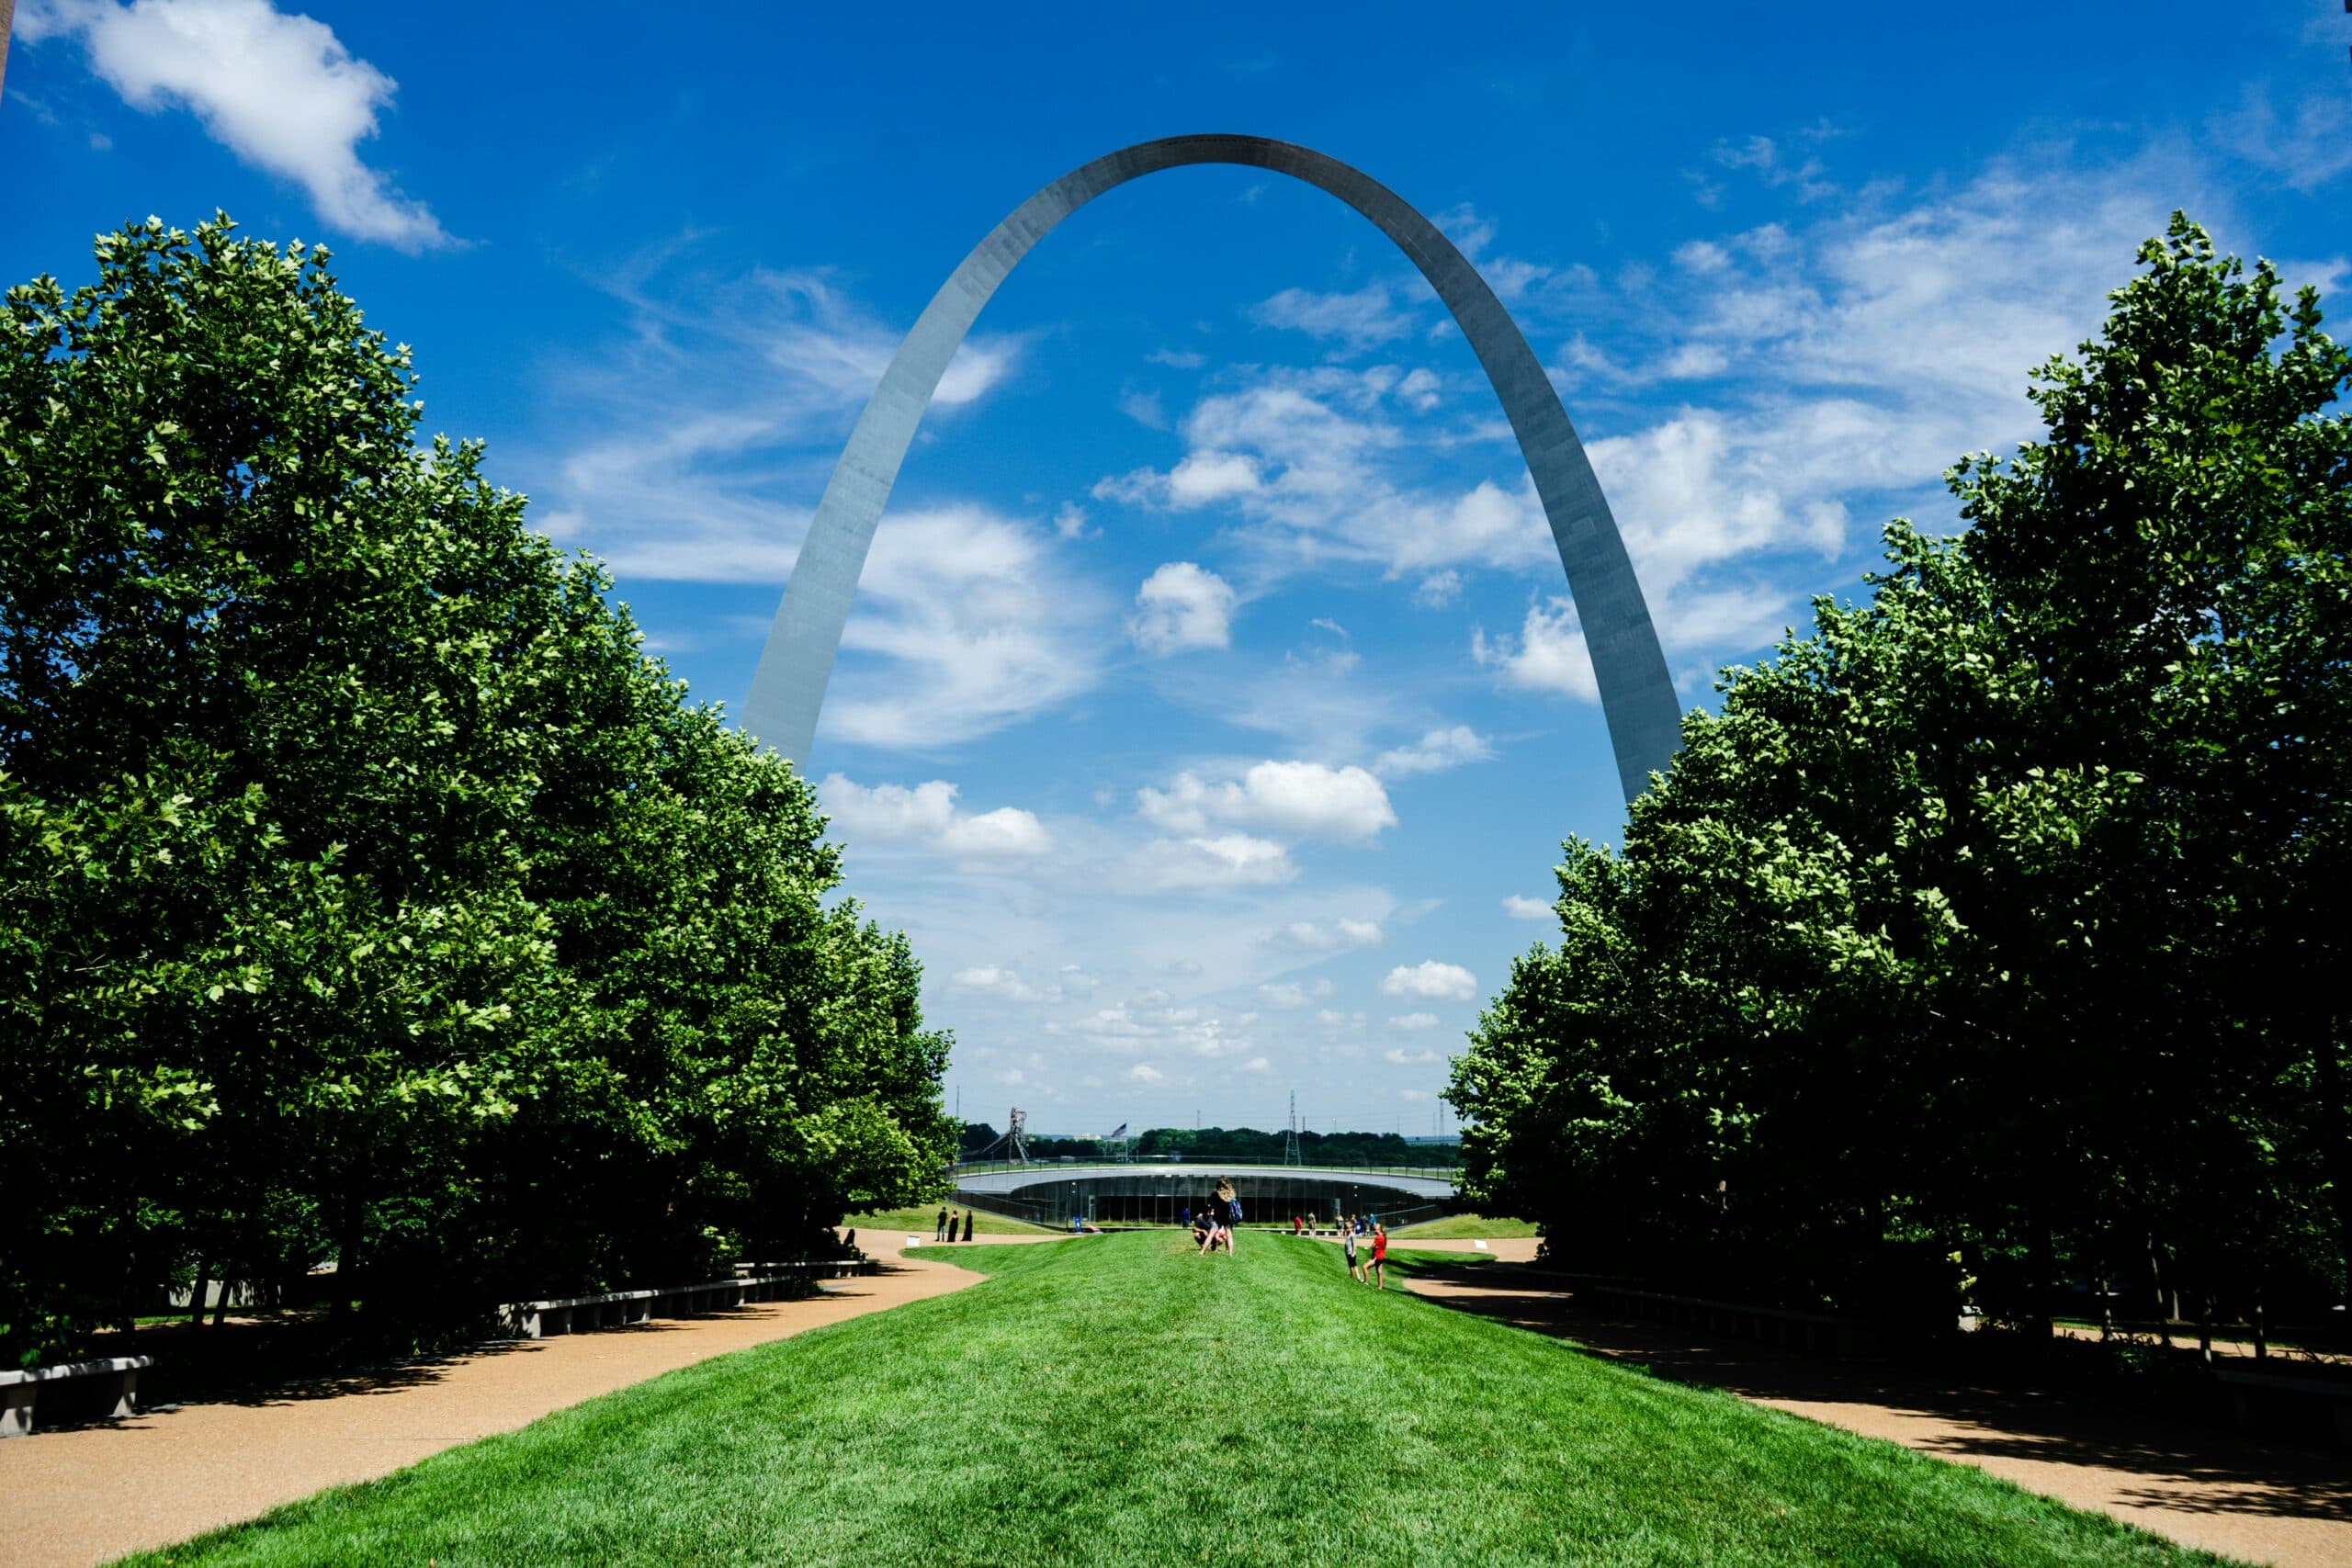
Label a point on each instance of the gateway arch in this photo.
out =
(1636, 695)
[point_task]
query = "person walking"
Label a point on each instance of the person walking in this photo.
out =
(968, 1225)
(1380, 1255)
(939, 1231)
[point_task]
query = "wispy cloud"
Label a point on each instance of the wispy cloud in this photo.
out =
(705, 438)
(2309, 146)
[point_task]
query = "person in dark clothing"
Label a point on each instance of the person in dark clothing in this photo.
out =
(968, 1225)
(939, 1231)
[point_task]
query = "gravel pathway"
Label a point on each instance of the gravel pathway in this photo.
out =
(86, 1495)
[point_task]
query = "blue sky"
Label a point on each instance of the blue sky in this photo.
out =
(1214, 707)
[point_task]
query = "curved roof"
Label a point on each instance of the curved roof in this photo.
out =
(1014, 1178)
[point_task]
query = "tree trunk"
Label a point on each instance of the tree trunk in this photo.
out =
(2156, 1277)
(2205, 1325)
(2261, 1324)
(195, 1294)
(349, 1227)
(2042, 1260)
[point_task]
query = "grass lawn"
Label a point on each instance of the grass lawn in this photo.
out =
(922, 1221)
(1464, 1226)
(1117, 1400)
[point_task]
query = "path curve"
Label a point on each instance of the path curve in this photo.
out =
(88, 1495)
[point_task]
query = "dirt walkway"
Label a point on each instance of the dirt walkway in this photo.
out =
(2201, 1486)
(88, 1495)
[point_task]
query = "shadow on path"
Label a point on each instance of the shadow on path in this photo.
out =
(2154, 1460)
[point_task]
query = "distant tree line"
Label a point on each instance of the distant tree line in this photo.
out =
(367, 896)
(1992, 940)
(1239, 1146)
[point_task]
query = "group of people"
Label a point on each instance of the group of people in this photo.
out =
(1213, 1221)
(1368, 1259)
(945, 1229)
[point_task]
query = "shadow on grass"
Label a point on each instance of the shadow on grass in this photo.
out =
(2207, 1471)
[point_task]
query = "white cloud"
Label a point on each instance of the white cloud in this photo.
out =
(1290, 994)
(1308, 799)
(927, 814)
(1876, 345)
(1182, 605)
(1431, 981)
(968, 622)
(1258, 1065)
(1337, 936)
(279, 91)
(1438, 590)
(1144, 408)
(1006, 831)
(1413, 1020)
(1774, 164)
(1147, 1075)
(989, 979)
(1410, 1058)
(1200, 478)
(1307, 458)
(1205, 862)
(1435, 752)
(1519, 907)
(1549, 654)
(1361, 319)
(1133, 1028)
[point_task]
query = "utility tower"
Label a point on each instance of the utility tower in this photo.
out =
(1013, 1143)
(1290, 1139)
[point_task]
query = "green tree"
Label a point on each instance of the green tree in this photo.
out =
(1995, 919)
(371, 895)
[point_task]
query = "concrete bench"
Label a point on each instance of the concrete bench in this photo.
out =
(2252, 1395)
(617, 1309)
(108, 1388)
(1767, 1325)
(816, 1268)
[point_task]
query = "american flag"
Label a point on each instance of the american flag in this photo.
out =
(1118, 1132)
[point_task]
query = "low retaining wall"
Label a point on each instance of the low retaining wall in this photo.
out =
(617, 1309)
(2257, 1399)
(107, 1389)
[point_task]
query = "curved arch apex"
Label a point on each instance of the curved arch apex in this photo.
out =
(1637, 695)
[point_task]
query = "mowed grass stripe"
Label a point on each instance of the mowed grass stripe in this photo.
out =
(1116, 1400)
